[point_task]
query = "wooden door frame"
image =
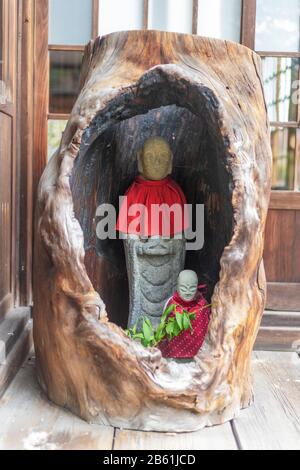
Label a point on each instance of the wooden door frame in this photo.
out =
(10, 109)
(15, 319)
(41, 91)
(21, 111)
(248, 23)
(25, 148)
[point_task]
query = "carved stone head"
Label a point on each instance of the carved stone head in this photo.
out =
(187, 284)
(155, 159)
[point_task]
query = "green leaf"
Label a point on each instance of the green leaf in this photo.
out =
(177, 330)
(179, 320)
(170, 328)
(159, 335)
(160, 327)
(169, 309)
(148, 321)
(186, 321)
(167, 312)
(147, 329)
(138, 336)
(160, 332)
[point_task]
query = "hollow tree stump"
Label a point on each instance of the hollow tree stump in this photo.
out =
(207, 95)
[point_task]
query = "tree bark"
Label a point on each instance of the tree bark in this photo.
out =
(210, 93)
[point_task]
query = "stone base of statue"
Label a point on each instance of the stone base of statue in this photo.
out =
(153, 266)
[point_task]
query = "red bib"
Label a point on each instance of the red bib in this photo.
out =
(188, 343)
(146, 209)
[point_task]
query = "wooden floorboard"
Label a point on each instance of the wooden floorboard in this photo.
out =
(273, 422)
(215, 438)
(29, 421)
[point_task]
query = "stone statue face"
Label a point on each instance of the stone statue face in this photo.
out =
(187, 285)
(155, 159)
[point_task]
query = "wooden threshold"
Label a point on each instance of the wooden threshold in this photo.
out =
(285, 200)
(278, 338)
(279, 331)
(283, 296)
(273, 318)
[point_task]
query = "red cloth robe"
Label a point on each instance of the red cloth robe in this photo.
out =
(143, 221)
(188, 343)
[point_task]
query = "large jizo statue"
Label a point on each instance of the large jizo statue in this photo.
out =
(152, 220)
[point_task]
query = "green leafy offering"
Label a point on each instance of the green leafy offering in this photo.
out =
(169, 327)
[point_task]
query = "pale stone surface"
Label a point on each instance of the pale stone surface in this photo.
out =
(153, 266)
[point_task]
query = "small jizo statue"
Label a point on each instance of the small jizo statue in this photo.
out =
(152, 221)
(188, 297)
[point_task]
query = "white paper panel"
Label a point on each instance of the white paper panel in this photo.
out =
(220, 19)
(171, 15)
(70, 21)
(120, 15)
(277, 25)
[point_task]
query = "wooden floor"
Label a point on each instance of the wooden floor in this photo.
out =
(29, 421)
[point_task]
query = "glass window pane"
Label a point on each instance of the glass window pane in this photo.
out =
(116, 15)
(281, 85)
(219, 19)
(283, 141)
(55, 130)
(171, 15)
(277, 25)
(70, 21)
(64, 80)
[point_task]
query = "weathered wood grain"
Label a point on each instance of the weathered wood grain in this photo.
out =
(213, 438)
(284, 295)
(278, 338)
(30, 422)
(273, 423)
(90, 366)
